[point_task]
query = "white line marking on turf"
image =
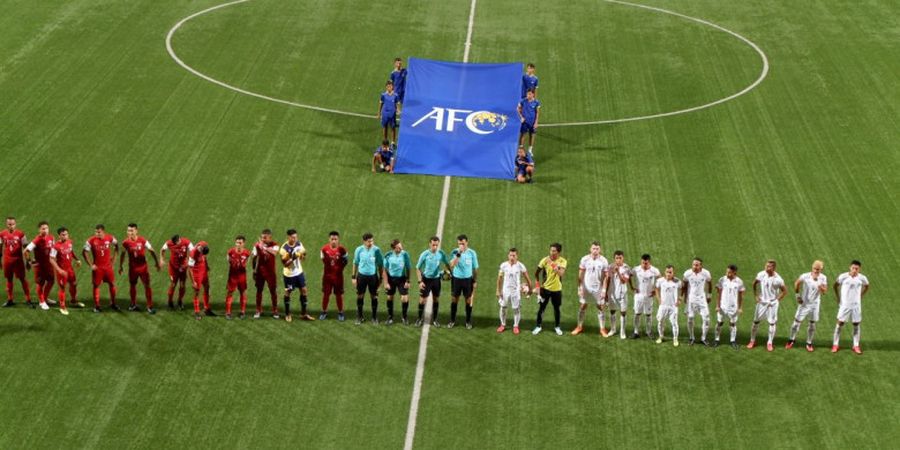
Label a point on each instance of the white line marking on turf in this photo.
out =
(762, 75)
(235, 88)
(426, 327)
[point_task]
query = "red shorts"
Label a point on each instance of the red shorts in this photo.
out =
(14, 268)
(332, 285)
(43, 275)
(200, 279)
(68, 278)
(238, 282)
(260, 279)
(177, 274)
(139, 273)
(103, 275)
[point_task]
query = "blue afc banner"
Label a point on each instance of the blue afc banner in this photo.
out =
(460, 119)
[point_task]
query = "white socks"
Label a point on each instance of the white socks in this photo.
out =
(771, 332)
(517, 316)
(503, 316)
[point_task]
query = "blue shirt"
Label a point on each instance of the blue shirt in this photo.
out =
(430, 263)
(524, 161)
(529, 109)
(397, 264)
(468, 262)
(398, 77)
(389, 104)
(386, 154)
(529, 82)
(367, 260)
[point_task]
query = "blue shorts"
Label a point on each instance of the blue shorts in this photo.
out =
(522, 170)
(389, 122)
(527, 128)
(298, 282)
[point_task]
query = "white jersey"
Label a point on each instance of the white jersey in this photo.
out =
(851, 288)
(769, 287)
(695, 282)
(730, 290)
(646, 279)
(512, 276)
(809, 287)
(593, 271)
(668, 291)
(620, 276)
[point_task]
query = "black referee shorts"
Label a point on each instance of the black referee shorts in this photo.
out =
(461, 286)
(432, 286)
(397, 284)
(366, 282)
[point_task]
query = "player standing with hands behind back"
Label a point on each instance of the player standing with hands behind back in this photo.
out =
(553, 267)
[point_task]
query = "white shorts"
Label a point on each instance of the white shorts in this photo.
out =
(731, 314)
(852, 312)
(667, 312)
(695, 307)
(807, 309)
(643, 304)
(596, 294)
(618, 304)
(770, 313)
(510, 299)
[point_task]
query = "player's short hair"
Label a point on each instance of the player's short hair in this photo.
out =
(669, 266)
(855, 262)
(530, 91)
(645, 257)
(732, 267)
(10, 218)
(42, 223)
(698, 259)
(394, 243)
(175, 238)
(334, 233)
(398, 59)
(266, 231)
(771, 261)
(291, 232)
(618, 253)
(529, 65)
(513, 250)
(240, 237)
(204, 250)
(597, 243)
(367, 236)
(435, 239)
(462, 237)
(132, 225)
(100, 226)
(389, 83)
(557, 246)
(61, 230)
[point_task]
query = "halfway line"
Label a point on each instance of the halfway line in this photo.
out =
(426, 327)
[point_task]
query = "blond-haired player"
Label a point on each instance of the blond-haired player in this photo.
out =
(667, 292)
(809, 289)
(510, 288)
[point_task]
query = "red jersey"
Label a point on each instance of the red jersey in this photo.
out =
(178, 253)
(265, 260)
(197, 262)
(335, 259)
(101, 249)
(13, 243)
(237, 262)
(40, 247)
(63, 253)
(137, 252)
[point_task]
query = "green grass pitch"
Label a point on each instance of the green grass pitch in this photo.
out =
(98, 124)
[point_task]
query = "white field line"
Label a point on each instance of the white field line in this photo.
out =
(762, 75)
(426, 327)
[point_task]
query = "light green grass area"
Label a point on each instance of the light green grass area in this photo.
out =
(98, 124)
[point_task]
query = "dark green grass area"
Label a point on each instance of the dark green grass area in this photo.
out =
(98, 124)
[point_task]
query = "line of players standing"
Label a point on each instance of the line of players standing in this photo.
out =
(390, 105)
